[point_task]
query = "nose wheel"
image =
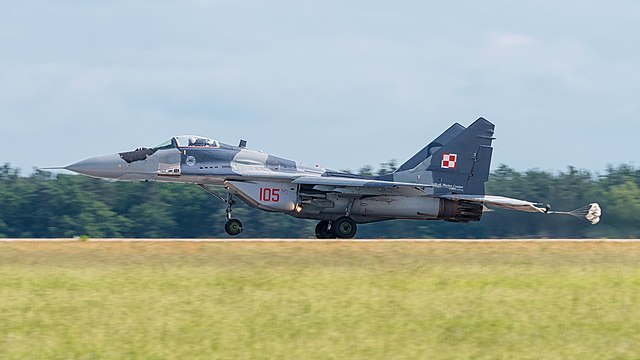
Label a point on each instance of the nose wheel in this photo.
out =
(233, 227)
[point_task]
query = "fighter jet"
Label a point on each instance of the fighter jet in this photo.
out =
(443, 181)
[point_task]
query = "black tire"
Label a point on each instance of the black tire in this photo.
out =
(322, 230)
(344, 228)
(233, 227)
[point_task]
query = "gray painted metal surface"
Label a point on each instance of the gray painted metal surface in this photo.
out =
(443, 181)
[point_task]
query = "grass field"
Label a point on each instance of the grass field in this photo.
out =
(83, 300)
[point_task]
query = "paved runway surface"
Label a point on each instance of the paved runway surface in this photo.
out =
(318, 240)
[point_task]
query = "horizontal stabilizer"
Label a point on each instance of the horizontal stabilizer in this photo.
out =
(591, 212)
(499, 202)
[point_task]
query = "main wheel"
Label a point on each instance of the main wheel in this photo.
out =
(322, 230)
(233, 227)
(344, 228)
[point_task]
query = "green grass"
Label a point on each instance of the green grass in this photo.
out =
(84, 300)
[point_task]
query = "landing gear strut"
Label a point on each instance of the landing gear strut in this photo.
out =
(233, 227)
(344, 228)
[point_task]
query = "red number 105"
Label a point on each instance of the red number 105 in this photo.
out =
(268, 194)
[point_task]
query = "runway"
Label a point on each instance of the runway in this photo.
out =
(241, 240)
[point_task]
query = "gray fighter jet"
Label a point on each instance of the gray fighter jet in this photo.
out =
(443, 181)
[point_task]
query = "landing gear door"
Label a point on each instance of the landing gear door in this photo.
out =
(169, 162)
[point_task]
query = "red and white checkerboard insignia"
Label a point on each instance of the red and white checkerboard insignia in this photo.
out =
(449, 161)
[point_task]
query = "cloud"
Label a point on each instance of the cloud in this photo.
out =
(566, 62)
(510, 41)
(361, 82)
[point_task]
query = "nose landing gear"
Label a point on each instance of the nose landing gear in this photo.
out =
(232, 227)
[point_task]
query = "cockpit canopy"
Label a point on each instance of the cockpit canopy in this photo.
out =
(195, 141)
(189, 141)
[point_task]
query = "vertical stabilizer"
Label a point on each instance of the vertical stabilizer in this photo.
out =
(457, 162)
(433, 146)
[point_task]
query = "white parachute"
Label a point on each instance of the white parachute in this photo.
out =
(591, 213)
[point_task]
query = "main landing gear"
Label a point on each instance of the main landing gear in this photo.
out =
(342, 228)
(233, 227)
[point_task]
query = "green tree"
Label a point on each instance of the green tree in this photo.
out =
(366, 170)
(43, 205)
(387, 167)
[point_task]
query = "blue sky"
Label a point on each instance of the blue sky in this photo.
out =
(339, 83)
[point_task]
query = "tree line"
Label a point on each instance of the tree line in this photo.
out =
(48, 205)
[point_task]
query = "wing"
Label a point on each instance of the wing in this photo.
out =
(363, 187)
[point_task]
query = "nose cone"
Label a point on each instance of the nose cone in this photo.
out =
(108, 167)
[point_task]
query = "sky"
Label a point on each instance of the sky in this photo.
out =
(336, 83)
